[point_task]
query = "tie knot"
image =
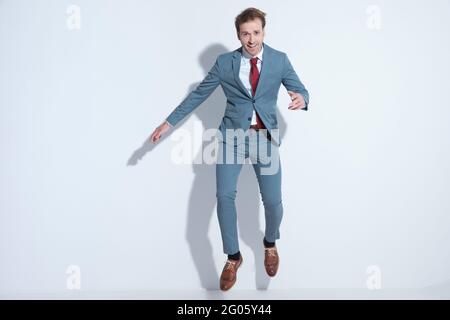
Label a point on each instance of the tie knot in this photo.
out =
(254, 60)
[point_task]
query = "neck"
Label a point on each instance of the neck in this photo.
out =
(248, 53)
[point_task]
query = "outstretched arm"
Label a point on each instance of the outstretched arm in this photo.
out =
(190, 103)
(296, 90)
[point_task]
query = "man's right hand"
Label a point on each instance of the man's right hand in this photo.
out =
(163, 128)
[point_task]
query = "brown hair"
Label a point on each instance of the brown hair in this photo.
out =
(248, 15)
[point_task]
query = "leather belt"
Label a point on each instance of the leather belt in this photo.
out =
(256, 128)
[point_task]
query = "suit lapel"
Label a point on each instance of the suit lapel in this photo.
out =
(236, 67)
(266, 64)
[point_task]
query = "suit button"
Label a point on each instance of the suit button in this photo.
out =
(253, 100)
(249, 119)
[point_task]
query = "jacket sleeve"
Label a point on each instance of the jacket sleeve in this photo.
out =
(196, 97)
(292, 82)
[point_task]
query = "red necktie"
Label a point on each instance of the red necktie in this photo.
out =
(254, 77)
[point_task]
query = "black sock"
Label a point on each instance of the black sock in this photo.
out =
(235, 256)
(268, 244)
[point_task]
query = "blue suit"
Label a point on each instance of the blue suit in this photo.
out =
(276, 70)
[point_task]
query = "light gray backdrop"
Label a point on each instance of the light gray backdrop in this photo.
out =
(89, 208)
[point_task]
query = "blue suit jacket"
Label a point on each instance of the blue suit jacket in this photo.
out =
(276, 70)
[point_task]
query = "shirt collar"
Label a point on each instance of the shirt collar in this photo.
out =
(248, 56)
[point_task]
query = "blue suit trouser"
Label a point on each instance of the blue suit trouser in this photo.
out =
(265, 160)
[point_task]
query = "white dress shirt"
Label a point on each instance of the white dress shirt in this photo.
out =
(244, 73)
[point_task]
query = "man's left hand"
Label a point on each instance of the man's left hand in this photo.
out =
(297, 101)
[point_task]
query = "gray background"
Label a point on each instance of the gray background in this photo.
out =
(365, 170)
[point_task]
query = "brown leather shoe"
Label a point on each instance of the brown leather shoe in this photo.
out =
(229, 273)
(271, 261)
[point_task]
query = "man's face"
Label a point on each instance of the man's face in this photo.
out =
(251, 36)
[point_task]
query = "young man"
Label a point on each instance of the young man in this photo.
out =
(250, 77)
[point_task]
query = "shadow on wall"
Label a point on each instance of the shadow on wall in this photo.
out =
(202, 199)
